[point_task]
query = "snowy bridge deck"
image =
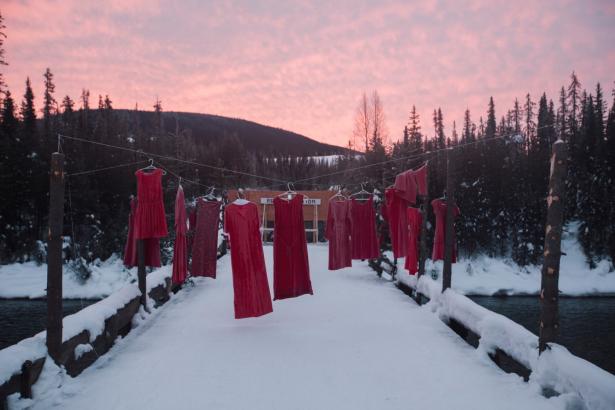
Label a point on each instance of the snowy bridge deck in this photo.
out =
(358, 343)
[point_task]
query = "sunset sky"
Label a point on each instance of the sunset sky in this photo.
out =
(303, 65)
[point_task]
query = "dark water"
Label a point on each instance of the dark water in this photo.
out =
(22, 318)
(587, 325)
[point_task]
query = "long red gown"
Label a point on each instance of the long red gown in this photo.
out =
(180, 251)
(363, 238)
(414, 231)
(205, 242)
(150, 219)
(439, 209)
(250, 285)
(291, 269)
(151, 247)
(398, 221)
(338, 234)
(420, 177)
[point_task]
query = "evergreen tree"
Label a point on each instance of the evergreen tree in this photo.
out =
(49, 103)
(490, 128)
(2, 58)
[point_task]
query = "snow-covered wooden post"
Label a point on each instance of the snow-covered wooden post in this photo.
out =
(448, 234)
(141, 272)
(54, 256)
(549, 287)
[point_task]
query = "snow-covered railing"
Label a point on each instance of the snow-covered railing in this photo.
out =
(556, 370)
(86, 335)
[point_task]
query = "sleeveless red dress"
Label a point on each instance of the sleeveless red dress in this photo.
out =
(338, 234)
(363, 238)
(250, 285)
(205, 243)
(439, 209)
(415, 220)
(291, 269)
(150, 219)
(180, 249)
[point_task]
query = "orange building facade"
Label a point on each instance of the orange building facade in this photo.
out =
(315, 209)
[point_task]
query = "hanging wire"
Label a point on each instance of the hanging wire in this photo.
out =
(94, 171)
(152, 155)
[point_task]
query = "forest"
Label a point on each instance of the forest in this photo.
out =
(500, 165)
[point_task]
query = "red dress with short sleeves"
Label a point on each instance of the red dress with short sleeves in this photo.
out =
(439, 209)
(398, 221)
(250, 285)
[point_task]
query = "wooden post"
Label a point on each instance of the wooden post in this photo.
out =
(448, 235)
(54, 256)
(549, 289)
(141, 272)
(423, 239)
(25, 387)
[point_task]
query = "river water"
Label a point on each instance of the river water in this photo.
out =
(22, 318)
(587, 325)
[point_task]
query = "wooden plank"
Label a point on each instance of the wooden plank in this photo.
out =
(549, 293)
(54, 256)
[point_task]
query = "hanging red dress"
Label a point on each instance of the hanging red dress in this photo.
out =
(151, 247)
(205, 244)
(405, 184)
(439, 209)
(150, 220)
(420, 177)
(398, 221)
(191, 228)
(338, 234)
(363, 238)
(180, 255)
(291, 269)
(250, 285)
(414, 232)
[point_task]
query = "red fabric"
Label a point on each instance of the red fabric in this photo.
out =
(439, 209)
(251, 289)
(414, 231)
(363, 238)
(150, 220)
(420, 177)
(398, 222)
(151, 247)
(405, 184)
(291, 269)
(338, 234)
(191, 228)
(180, 255)
(205, 245)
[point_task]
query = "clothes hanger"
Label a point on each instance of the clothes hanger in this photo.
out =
(210, 194)
(361, 192)
(152, 168)
(339, 195)
(240, 198)
(288, 194)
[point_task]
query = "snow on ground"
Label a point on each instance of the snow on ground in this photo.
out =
(487, 276)
(28, 280)
(357, 343)
(91, 318)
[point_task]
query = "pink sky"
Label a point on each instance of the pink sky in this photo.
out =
(303, 65)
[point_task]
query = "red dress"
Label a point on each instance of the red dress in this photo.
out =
(250, 285)
(291, 269)
(338, 234)
(398, 222)
(363, 238)
(439, 210)
(205, 243)
(150, 220)
(151, 247)
(414, 231)
(420, 177)
(180, 255)
(405, 184)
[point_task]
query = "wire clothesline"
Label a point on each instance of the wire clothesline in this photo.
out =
(425, 155)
